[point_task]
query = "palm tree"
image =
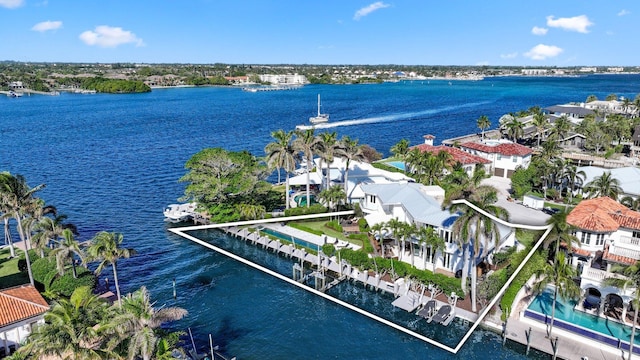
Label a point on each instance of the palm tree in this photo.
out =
(430, 239)
(70, 330)
(16, 196)
(65, 251)
(561, 127)
(408, 231)
(306, 142)
(282, 155)
(378, 228)
(47, 229)
(561, 274)
(483, 123)
(327, 149)
(135, 324)
(414, 161)
(400, 150)
(333, 197)
(631, 202)
(395, 226)
(515, 129)
(350, 151)
(561, 233)
(574, 177)
(540, 122)
(475, 230)
(604, 185)
(106, 248)
(630, 281)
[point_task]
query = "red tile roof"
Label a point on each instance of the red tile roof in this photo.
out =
(506, 149)
(603, 214)
(20, 303)
(617, 258)
(458, 155)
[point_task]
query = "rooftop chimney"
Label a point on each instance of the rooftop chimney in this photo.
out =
(428, 139)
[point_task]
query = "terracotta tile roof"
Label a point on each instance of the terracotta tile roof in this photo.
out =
(20, 303)
(580, 251)
(617, 258)
(506, 149)
(603, 214)
(458, 155)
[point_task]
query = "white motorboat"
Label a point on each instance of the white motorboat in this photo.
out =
(180, 212)
(320, 118)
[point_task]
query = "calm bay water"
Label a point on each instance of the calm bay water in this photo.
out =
(111, 162)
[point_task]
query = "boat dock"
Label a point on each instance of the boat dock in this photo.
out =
(271, 88)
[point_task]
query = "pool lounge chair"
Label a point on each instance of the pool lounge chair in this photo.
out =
(428, 310)
(443, 315)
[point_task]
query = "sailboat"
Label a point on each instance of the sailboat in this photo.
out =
(320, 118)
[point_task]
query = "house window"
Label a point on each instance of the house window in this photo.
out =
(430, 254)
(447, 261)
(636, 234)
(499, 157)
(372, 199)
(446, 236)
(586, 238)
(515, 158)
(599, 239)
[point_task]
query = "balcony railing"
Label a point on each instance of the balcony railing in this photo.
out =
(630, 253)
(599, 275)
(628, 240)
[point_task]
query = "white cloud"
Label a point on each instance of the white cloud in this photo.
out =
(542, 52)
(369, 9)
(539, 30)
(576, 23)
(108, 36)
(11, 4)
(47, 25)
(509, 56)
(624, 12)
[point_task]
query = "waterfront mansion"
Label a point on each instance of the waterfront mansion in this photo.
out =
(609, 234)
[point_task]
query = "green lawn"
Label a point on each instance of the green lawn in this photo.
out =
(9, 274)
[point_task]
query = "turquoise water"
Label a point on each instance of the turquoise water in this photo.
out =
(112, 162)
(301, 200)
(291, 239)
(396, 164)
(565, 312)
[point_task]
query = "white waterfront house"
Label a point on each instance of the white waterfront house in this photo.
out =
(609, 234)
(421, 205)
(284, 79)
(505, 156)
(21, 308)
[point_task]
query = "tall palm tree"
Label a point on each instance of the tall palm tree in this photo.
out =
(408, 232)
(400, 150)
(283, 155)
(377, 228)
(106, 248)
(630, 281)
(483, 123)
(306, 141)
(327, 149)
(47, 229)
(574, 177)
(475, 231)
(561, 127)
(561, 233)
(349, 150)
(134, 325)
(414, 161)
(540, 122)
(333, 197)
(16, 196)
(604, 185)
(560, 273)
(395, 225)
(66, 250)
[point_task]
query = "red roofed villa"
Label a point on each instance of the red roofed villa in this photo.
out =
(468, 161)
(21, 307)
(505, 156)
(609, 233)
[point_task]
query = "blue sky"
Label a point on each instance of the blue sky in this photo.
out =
(421, 32)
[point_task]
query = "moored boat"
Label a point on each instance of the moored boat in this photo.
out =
(180, 212)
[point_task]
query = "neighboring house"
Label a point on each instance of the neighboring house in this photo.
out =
(574, 113)
(21, 307)
(609, 233)
(573, 141)
(468, 161)
(418, 204)
(505, 156)
(277, 79)
(611, 107)
(359, 173)
(16, 85)
(626, 176)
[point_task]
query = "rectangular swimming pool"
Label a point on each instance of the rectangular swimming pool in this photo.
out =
(594, 327)
(291, 239)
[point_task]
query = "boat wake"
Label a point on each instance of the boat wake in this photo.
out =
(389, 118)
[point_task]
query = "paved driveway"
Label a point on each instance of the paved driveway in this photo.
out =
(518, 213)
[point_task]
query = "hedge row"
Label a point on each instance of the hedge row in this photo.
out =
(313, 209)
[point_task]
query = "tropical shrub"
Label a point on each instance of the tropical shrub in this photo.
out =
(66, 284)
(363, 225)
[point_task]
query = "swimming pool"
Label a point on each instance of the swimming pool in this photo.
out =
(291, 239)
(594, 327)
(396, 164)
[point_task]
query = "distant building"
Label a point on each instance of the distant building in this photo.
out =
(16, 85)
(574, 113)
(535, 71)
(468, 161)
(287, 79)
(505, 156)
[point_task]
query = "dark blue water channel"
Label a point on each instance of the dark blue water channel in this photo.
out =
(112, 162)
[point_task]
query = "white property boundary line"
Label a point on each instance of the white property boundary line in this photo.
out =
(182, 232)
